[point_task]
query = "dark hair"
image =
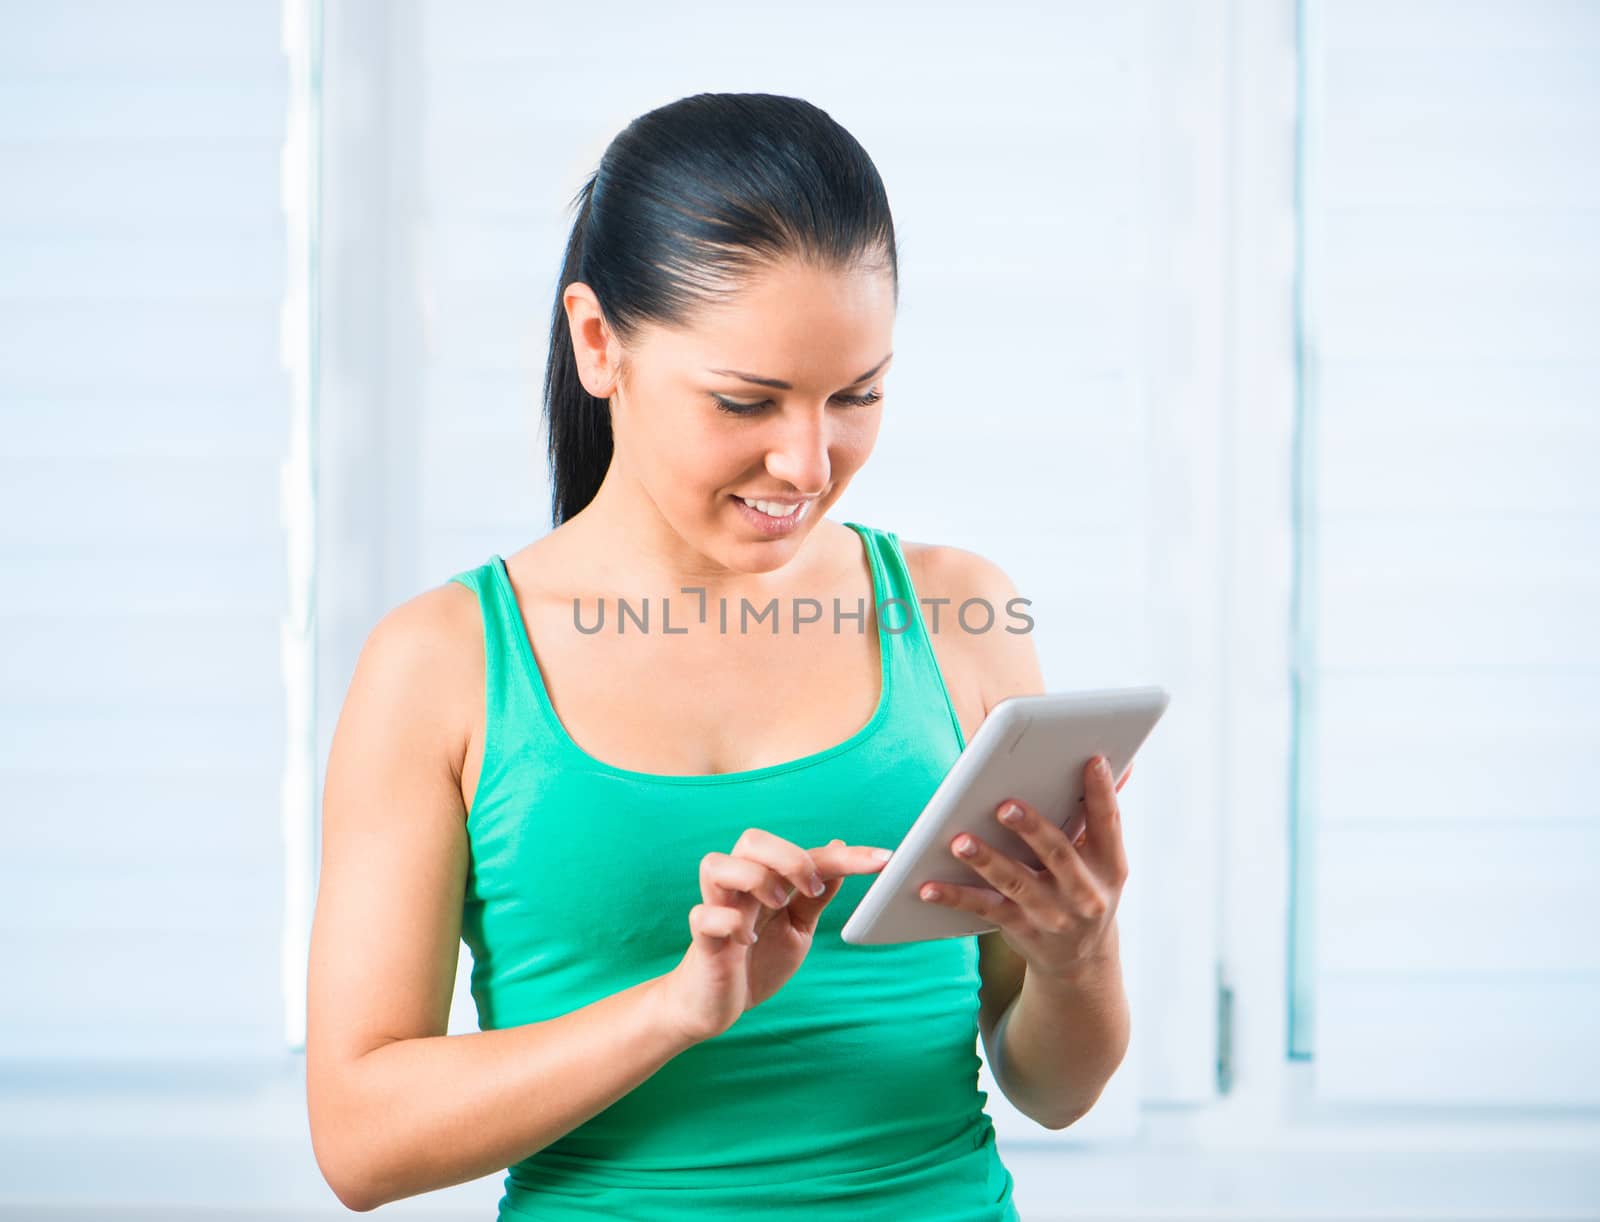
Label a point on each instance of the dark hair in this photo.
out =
(687, 200)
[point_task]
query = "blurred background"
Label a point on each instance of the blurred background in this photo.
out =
(1257, 340)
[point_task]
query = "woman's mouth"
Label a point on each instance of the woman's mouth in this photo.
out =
(773, 518)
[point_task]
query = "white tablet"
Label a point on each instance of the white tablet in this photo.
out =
(1030, 747)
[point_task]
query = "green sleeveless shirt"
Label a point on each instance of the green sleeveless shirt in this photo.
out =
(850, 1093)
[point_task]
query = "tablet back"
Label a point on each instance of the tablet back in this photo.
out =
(1030, 747)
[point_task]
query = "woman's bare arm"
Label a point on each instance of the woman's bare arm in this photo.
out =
(397, 1107)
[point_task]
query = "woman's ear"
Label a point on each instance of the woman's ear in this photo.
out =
(594, 347)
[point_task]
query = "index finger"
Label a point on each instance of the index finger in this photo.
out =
(784, 857)
(837, 858)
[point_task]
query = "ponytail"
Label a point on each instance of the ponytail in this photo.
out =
(579, 425)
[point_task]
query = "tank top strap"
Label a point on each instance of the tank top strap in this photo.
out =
(919, 683)
(511, 703)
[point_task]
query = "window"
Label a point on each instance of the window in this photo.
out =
(1448, 837)
(150, 423)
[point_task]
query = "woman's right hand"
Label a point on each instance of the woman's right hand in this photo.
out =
(755, 927)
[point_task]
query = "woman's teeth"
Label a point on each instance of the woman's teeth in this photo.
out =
(776, 509)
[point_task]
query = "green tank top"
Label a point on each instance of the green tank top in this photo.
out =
(853, 1091)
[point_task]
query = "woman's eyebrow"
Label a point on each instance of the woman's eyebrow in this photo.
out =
(781, 385)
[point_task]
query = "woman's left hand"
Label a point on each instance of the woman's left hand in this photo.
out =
(1060, 918)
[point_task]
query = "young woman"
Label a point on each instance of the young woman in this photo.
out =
(577, 804)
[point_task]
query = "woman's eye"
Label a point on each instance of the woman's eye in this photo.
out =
(735, 408)
(866, 400)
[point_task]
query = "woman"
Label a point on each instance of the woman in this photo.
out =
(568, 799)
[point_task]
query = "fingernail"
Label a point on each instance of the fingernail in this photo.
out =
(1011, 813)
(817, 887)
(881, 855)
(1104, 766)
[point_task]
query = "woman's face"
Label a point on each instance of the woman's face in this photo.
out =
(692, 434)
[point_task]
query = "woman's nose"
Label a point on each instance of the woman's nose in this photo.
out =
(799, 456)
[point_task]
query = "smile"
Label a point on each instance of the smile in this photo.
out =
(773, 518)
(777, 509)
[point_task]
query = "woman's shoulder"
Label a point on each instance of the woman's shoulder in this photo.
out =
(986, 646)
(415, 632)
(945, 570)
(426, 655)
